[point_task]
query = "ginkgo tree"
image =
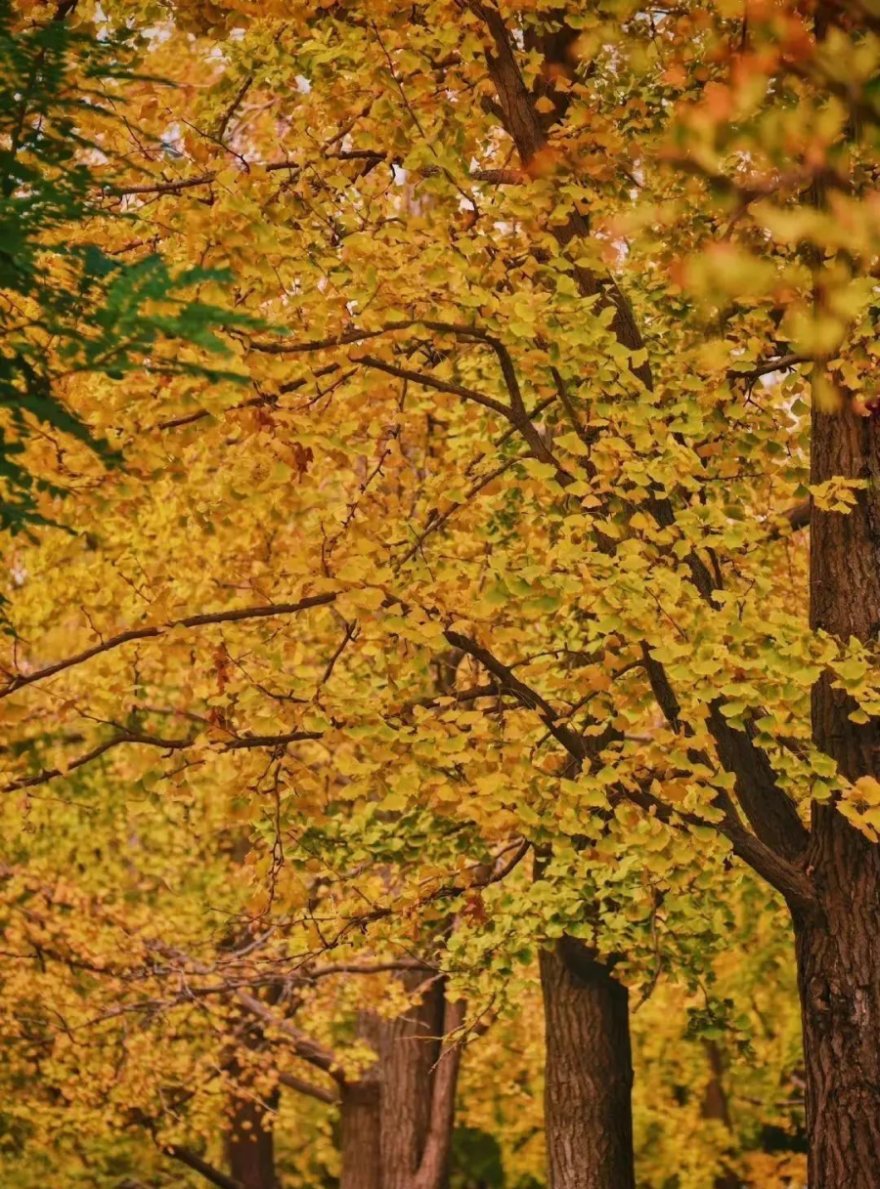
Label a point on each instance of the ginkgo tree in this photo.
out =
(566, 311)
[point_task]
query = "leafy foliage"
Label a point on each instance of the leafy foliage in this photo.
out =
(69, 307)
(479, 617)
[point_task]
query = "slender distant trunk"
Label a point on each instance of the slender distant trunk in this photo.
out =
(397, 1120)
(588, 1077)
(716, 1107)
(838, 942)
(250, 1144)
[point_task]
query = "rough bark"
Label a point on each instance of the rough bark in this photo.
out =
(397, 1119)
(434, 1164)
(838, 942)
(409, 1047)
(250, 1145)
(361, 1119)
(588, 1075)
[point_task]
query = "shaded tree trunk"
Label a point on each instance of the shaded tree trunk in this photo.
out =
(361, 1123)
(408, 1049)
(250, 1144)
(588, 1078)
(838, 942)
(397, 1120)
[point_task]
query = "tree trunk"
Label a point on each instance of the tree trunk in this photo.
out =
(838, 943)
(838, 953)
(397, 1120)
(409, 1048)
(717, 1108)
(250, 1145)
(361, 1116)
(588, 1110)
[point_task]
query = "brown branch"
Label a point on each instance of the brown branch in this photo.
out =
(500, 177)
(798, 516)
(255, 402)
(303, 1045)
(524, 126)
(309, 1088)
(50, 773)
(428, 381)
(493, 177)
(243, 743)
(576, 745)
(365, 968)
(433, 525)
(337, 340)
(770, 811)
(202, 1167)
(787, 878)
(220, 130)
(237, 615)
(515, 413)
(165, 187)
(767, 366)
(64, 9)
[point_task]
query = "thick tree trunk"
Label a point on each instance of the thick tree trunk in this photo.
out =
(588, 1077)
(838, 951)
(838, 943)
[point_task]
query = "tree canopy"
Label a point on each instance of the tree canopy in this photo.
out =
(447, 437)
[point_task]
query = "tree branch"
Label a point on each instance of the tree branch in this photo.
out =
(787, 878)
(237, 615)
(254, 402)
(523, 124)
(770, 811)
(438, 385)
(301, 1086)
(197, 1164)
(242, 743)
(576, 745)
(302, 1044)
(492, 177)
